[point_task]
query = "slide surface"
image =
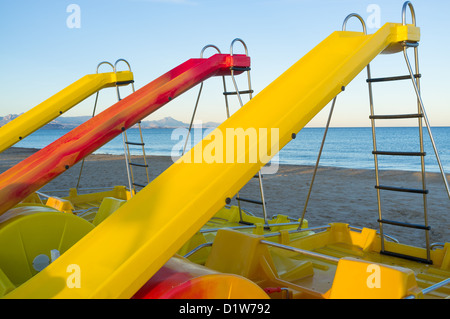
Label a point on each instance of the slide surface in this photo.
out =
(117, 257)
(58, 104)
(40, 168)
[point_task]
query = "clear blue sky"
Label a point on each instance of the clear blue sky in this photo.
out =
(41, 55)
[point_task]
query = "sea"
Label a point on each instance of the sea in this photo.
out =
(344, 147)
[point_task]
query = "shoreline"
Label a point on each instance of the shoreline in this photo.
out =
(28, 151)
(338, 195)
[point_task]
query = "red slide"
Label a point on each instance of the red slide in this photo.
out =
(40, 168)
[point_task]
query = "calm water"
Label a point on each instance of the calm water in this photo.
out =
(344, 147)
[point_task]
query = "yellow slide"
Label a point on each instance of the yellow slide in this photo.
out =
(58, 104)
(117, 257)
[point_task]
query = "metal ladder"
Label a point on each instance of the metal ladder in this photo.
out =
(238, 93)
(126, 143)
(93, 114)
(226, 94)
(421, 116)
(414, 76)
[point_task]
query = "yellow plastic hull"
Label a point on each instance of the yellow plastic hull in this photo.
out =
(339, 262)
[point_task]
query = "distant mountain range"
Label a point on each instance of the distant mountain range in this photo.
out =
(73, 121)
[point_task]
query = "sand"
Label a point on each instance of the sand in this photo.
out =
(338, 194)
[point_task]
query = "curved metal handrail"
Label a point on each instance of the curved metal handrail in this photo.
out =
(413, 14)
(122, 60)
(238, 40)
(115, 71)
(434, 245)
(104, 62)
(355, 15)
(209, 46)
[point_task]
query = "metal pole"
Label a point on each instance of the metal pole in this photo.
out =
(302, 251)
(192, 119)
(125, 146)
(422, 158)
(375, 156)
(317, 163)
(427, 125)
(436, 286)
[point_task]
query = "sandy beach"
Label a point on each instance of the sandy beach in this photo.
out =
(338, 195)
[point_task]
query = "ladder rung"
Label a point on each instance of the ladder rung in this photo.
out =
(137, 164)
(240, 92)
(399, 153)
(398, 116)
(410, 44)
(249, 200)
(236, 68)
(413, 258)
(402, 224)
(124, 82)
(400, 189)
(139, 185)
(134, 143)
(393, 78)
